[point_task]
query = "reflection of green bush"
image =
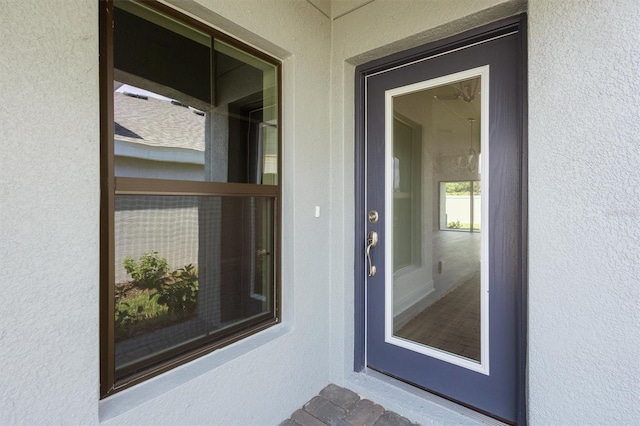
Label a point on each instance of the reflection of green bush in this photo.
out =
(462, 188)
(180, 293)
(137, 312)
(155, 298)
(149, 271)
(454, 225)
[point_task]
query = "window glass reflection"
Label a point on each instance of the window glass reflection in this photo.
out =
(217, 125)
(187, 267)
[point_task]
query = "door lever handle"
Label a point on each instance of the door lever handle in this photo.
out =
(372, 241)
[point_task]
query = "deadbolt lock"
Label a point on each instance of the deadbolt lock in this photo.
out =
(373, 216)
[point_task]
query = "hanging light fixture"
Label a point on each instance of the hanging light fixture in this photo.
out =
(467, 90)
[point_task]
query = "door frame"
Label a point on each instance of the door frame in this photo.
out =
(457, 42)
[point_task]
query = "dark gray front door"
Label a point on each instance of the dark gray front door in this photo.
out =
(444, 172)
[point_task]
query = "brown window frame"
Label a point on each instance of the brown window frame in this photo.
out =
(111, 186)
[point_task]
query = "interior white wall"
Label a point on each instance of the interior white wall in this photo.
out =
(49, 218)
(584, 204)
(416, 283)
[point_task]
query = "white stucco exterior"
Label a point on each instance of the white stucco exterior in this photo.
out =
(584, 150)
(584, 273)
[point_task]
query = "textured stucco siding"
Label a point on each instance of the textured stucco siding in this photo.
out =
(49, 207)
(49, 218)
(584, 205)
(583, 265)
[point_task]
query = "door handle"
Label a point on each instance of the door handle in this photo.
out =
(372, 241)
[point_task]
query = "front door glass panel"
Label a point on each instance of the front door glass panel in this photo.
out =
(437, 302)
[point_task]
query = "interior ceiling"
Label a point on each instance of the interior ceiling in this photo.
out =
(449, 112)
(336, 8)
(453, 111)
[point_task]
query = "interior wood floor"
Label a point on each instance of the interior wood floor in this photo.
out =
(452, 323)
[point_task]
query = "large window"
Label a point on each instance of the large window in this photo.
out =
(190, 191)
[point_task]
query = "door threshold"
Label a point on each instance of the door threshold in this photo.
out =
(412, 402)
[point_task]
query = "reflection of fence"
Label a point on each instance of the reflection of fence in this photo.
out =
(167, 225)
(458, 208)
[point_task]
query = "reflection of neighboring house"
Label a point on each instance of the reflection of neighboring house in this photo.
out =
(161, 139)
(156, 138)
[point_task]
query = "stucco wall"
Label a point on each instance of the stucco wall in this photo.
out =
(49, 206)
(583, 297)
(584, 204)
(49, 218)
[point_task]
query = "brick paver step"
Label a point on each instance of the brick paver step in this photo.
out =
(337, 406)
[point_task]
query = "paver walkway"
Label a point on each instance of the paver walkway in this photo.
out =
(336, 406)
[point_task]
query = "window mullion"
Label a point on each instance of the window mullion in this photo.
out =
(139, 186)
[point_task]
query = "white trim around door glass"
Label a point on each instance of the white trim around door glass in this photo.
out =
(483, 365)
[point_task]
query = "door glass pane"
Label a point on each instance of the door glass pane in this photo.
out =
(436, 217)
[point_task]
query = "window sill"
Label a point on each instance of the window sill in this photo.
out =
(135, 396)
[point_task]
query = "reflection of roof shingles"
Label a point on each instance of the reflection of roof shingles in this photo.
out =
(157, 123)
